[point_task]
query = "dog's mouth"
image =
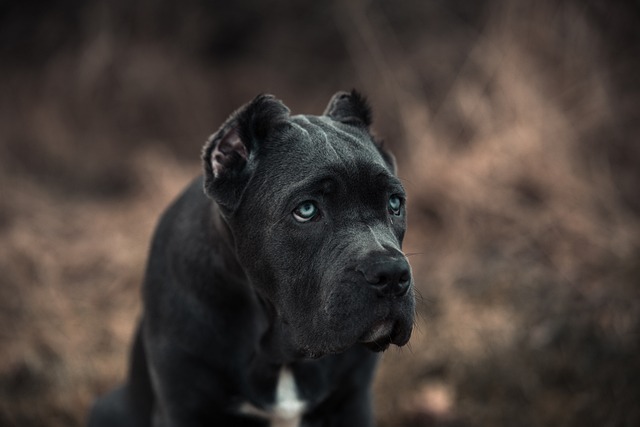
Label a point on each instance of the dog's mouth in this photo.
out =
(384, 333)
(376, 338)
(380, 330)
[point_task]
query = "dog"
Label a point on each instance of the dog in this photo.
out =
(275, 280)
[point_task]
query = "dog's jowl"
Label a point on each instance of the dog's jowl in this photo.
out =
(274, 280)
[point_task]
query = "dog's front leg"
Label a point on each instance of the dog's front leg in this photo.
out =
(188, 392)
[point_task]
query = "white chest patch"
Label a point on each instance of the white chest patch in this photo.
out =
(287, 409)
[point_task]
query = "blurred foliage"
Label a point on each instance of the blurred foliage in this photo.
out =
(516, 126)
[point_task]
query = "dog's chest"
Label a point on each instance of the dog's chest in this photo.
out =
(287, 408)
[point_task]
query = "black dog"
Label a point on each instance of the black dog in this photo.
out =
(267, 294)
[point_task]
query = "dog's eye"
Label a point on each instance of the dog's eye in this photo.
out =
(306, 211)
(395, 203)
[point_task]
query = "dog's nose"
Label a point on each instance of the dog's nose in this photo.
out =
(390, 277)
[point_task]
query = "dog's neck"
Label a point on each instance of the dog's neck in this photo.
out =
(276, 344)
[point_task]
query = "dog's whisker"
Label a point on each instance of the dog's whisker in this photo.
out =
(410, 254)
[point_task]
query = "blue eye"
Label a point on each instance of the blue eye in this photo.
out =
(395, 203)
(305, 211)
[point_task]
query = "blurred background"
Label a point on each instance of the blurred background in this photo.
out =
(516, 126)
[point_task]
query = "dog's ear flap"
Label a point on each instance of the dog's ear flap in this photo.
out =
(353, 108)
(228, 154)
(349, 107)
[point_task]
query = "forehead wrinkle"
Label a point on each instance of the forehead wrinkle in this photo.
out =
(347, 143)
(301, 118)
(318, 135)
(323, 123)
(330, 148)
(329, 122)
(271, 176)
(318, 143)
(300, 128)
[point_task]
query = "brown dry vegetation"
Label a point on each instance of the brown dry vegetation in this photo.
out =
(517, 128)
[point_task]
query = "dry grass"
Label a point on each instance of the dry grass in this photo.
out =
(516, 131)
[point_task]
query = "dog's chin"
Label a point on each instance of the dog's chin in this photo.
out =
(378, 333)
(376, 337)
(385, 333)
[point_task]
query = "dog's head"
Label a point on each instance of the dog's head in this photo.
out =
(318, 217)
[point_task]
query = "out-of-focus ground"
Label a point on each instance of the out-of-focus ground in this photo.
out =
(517, 130)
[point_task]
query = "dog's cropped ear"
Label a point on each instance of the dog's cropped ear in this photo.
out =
(349, 107)
(353, 108)
(228, 155)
